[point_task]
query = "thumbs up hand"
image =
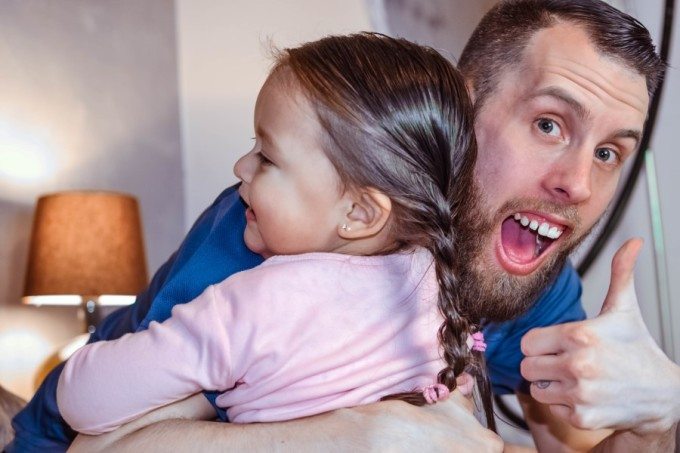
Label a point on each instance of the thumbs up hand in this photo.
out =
(605, 372)
(621, 294)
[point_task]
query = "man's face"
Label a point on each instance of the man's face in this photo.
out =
(553, 137)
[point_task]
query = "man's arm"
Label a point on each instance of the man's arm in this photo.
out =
(607, 371)
(390, 425)
(196, 407)
(552, 434)
(630, 441)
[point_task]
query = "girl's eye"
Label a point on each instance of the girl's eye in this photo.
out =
(606, 155)
(549, 127)
(263, 159)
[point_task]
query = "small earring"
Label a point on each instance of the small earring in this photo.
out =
(345, 227)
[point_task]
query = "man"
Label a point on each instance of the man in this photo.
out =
(561, 90)
(561, 94)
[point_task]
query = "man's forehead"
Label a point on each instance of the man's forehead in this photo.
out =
(565, 54)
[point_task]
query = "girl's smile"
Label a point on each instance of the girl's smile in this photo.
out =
(250, 215)
(287, 178)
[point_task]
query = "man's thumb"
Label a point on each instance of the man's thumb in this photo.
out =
(621, 294)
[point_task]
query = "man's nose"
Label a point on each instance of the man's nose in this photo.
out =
(570, 178)
(244, 168)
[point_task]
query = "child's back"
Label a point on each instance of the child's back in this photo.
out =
(296, 336)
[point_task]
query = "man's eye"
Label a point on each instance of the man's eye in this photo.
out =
(605, 155)
(549, 127)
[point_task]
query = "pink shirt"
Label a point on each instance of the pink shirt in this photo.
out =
(293, 337)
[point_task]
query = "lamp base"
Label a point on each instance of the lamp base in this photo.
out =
(92, 312)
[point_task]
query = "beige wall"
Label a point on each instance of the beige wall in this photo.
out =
(89, 101)
(222, 52)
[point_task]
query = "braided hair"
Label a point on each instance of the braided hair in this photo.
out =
(397, 118)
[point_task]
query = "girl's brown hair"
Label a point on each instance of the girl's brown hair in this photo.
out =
(398, 118)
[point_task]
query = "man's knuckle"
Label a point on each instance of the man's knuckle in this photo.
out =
(525, 344)
(525, 368)
(581, 367)
(492, 441)
(581, 335)
(579, 394)
(581, 418)
(497, 444)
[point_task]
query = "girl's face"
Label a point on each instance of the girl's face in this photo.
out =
(291, 188)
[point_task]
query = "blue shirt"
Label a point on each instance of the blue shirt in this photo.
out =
(212, 251)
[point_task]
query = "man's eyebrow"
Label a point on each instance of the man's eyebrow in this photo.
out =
(583, 113)
(629, 133)
(562, 95)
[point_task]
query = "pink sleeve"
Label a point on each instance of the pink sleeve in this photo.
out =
(109, 383)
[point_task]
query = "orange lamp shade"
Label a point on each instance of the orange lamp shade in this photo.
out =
(86, 243)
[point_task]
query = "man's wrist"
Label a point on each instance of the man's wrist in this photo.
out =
(672, 395)
(669, 392)
(676, 398)
(629, 441)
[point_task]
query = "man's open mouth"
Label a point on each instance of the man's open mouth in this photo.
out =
(525, 239)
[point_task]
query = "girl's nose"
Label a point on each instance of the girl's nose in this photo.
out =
(244, 168)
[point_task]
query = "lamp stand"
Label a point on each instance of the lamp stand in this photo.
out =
(92, 312)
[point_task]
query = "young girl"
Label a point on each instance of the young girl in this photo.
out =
(362, 160)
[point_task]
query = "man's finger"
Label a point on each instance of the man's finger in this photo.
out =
(621, 294)
(562, 411)
(541, 368)
(465, 384)
(543, 340)
(458, 399)
(554, 393)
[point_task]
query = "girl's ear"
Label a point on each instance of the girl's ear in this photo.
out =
(368, 215)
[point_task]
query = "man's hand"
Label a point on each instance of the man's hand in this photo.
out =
(445, 426)
(385, 426)
(606, 372)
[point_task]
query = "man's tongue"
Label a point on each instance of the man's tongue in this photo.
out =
(521, 244)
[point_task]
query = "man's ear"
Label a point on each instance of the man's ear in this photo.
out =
(368, 214)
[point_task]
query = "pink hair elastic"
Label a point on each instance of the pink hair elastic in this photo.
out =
(435, 392)
(476, 341)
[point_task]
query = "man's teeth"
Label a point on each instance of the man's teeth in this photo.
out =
(544, 229)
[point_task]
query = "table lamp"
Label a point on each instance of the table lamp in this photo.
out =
(86, 249)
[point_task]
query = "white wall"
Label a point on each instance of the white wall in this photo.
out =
(637, 221)
(223, 61)
(89, 100)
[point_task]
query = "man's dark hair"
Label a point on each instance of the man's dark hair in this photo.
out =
(498, 42)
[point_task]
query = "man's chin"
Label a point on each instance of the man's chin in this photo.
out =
(496, 293)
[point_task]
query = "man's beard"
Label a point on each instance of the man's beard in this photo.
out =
(487, 290)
